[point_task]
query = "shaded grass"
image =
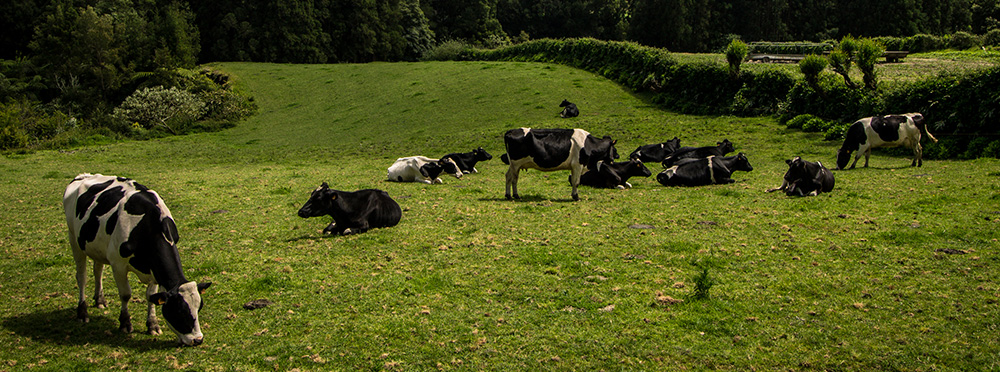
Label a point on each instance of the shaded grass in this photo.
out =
(849, 280)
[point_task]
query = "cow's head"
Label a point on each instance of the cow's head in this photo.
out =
(565, 103)
(725, 146)
(320, 202)
(843, 157)
(742, 163)
(481, 155)
(672, 145)
(637, 169)
(180, 309)
(449, 166)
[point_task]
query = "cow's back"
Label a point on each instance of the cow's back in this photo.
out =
(548, 149)
(385, 212)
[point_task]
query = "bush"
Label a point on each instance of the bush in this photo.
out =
(799, 121)
(992, 38)
(963, 40)
(451, 50)
(836, 131)
(736, 52)
(159, 107)
(811, 67)
(815, 125)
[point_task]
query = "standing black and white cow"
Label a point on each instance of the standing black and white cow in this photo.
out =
(720, 149)
(704, 171)
(569, 110)
(614, 175)
(883, 131)
(656, 152)
(421, 169)
(805, 178)
(352, 212)
(554, 149)
(466, 161)
(118, 222)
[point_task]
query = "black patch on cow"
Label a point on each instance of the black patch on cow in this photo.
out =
(548, 147)
(87, 198)
(147, 242)
(109, 227)
(887, 127)
(177, 312)
(88, 232)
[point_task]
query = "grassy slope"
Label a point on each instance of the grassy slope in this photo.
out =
(848, 280)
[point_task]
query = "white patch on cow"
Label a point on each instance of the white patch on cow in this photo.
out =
(407, 169)
(711, 169)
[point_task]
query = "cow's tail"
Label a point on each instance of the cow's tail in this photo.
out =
(506, 159)
(929, 135)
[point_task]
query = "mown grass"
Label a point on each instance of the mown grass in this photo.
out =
(855, 279)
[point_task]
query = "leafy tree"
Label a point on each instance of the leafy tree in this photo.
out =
(868, 54)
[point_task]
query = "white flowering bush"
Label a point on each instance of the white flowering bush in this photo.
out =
(161, 107)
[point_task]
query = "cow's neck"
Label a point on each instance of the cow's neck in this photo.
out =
(167, 269)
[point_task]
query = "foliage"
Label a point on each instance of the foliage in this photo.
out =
(843, 57)
(811, 67)
(815, 125)
(835, 131)
(159, 107)
(992, 38)
(23, 123)
(963, 40)
(763, 47)
(447, 51)
(799, 121)
(735, 53)
(868, 53)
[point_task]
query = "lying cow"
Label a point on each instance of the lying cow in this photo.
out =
(805, 178)
(569, 110)
(422, 169)
(720, 149)
(352, 212)
(554, 149)
(466, 161)
(883, 131)
(656, 152)
(118, 222)
(614, 175)
(704, 171)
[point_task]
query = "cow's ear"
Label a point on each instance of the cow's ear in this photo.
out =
(788, 161)
(203, 286)
(158, 298)
(324, 186)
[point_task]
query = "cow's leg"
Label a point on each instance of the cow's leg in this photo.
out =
(784, 183)
(512, 174)
(918, 154)
(125, 294)
(330, 228)
(99, 300)
(574, 180)
(868, 154)
(81, 283)
(152, 325)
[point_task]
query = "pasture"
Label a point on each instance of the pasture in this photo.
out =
(893, 270)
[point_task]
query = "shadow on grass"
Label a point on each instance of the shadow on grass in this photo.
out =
(525, 199)
(60, 327)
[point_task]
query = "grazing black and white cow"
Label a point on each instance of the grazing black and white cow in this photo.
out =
(704, 171)
(883, 131)
(466, 161)
(118, 222)
(554, 149)
(421, 169)
(569, 110)
(614, 175)
(720, 149)
(352, 212)
(656, 152)
(805, 178)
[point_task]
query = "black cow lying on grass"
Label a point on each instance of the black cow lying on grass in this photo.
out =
(656, 152)
(569, 110)
(704, 171)
(352, 212)
(805, 178)
(614, 175)
(720, 149)
(466, 161)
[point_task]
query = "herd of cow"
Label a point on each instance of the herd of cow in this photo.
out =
(118, 222)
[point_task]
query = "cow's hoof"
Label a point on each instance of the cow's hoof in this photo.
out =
(576, 197)
(154, 331)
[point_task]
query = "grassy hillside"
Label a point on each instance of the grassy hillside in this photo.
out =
(860, 278)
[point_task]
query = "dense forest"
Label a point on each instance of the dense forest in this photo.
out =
(127, 67)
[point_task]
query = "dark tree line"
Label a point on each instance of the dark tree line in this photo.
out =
(367, 30)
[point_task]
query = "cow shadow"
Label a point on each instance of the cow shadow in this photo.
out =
(526, 199)
(60, 327)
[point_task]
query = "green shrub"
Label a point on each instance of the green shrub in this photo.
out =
(736, 52)
(159, 107)
(992, 38)
(836, 131)
(789, 48)
(815, 125)
(868, 54)
(992, 150)
(963, 40)
(451, 50)
(702, 284)
(799, 121)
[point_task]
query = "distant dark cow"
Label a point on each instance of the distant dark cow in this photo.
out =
(466, 161)
(614, 175)
(569, 110)
(118, 222)
(352, 212)
(805, 178)
(421, 169)
(704, 171)
(883, 131)
(656, 152)
(554, 149)
(719, 150)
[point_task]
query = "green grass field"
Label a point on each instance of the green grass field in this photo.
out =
(857, 279)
